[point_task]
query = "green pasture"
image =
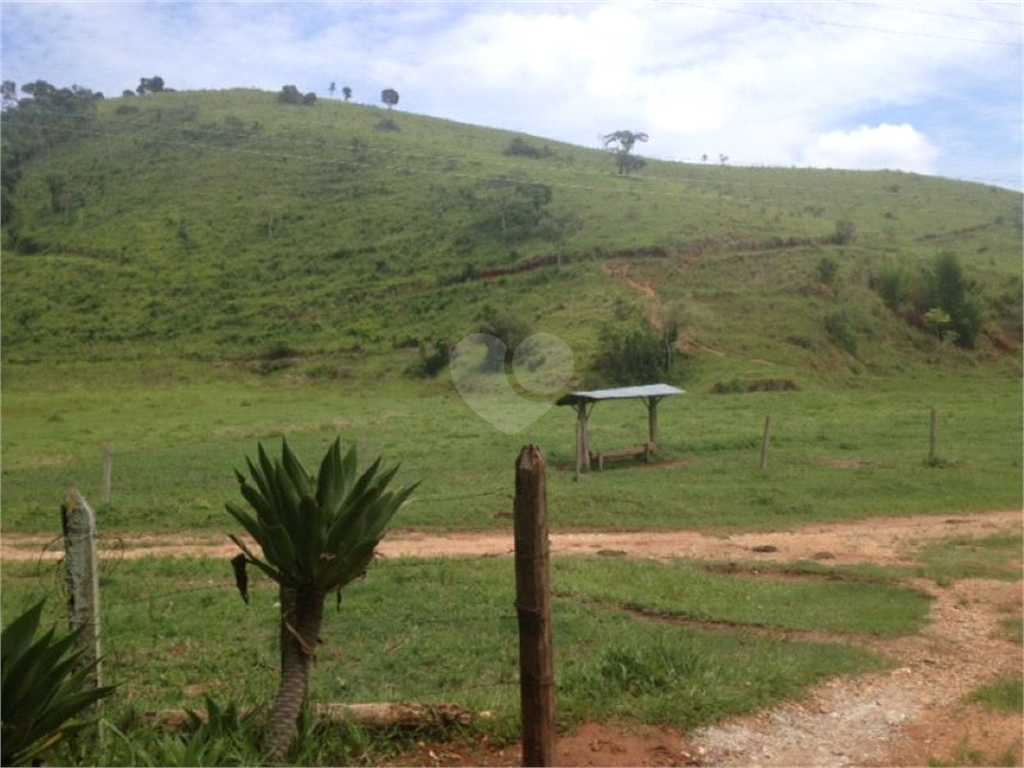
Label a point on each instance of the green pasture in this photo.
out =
(439, 631)
(179, 432)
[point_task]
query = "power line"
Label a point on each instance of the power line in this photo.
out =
(902, 8)
(843, 25)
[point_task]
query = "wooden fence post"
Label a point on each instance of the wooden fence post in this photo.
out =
(82, 576)
(108, 472)
(766, 443)
(933, 439)
(533, 608)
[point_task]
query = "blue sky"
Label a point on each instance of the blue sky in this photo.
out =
(932, 87)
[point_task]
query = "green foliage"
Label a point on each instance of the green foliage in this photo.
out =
(429, 365)
(45, 689)
(623, 142)
(892, 285)
(389, 96)
(315, 532)
(949, 291)
(631, 354)
(505, 326)
(827, 270)
(289, 94)
(520, 147)
(150, 85)
(840, 329)
(844, 233)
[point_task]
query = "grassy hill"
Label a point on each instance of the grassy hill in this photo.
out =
(229, 226)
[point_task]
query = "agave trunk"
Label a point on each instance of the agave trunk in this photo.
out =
(301, 613)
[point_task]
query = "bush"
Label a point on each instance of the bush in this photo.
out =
(430, 365)
(827, 271)
(387, 125)
(948, 290)
(631, 355)
(522, 148)
(892, 285)
(845, 232)
(289, 94)
(508, 327)
(840, 331)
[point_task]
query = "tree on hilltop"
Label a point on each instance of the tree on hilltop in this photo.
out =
(389, 96)
(150, 85)
(622, 142)
(346, 92)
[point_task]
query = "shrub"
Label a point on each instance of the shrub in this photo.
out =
(387, 125)
(892, 285)
(509, 328)
(45, 688)
(522, 148)
(827, 271)
(430, 365)
(844, 233)
(630, 355)
(840, 331)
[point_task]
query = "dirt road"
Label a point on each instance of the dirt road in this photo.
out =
(878, 540)
(914, 715)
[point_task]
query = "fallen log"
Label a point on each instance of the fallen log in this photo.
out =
(390, 715)
(371, 715)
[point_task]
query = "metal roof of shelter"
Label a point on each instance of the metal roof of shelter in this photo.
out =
(619, 393)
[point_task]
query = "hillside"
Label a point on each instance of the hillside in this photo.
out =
(229, 226)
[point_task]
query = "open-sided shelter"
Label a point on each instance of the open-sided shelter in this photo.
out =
(584, 403)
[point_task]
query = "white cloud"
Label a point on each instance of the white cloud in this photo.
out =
(762, 82)
(896, 147)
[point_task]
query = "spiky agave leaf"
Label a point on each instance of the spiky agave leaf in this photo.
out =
(44, 687)
(314, 532)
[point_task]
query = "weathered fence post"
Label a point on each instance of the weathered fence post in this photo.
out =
(533, 608)
(766, 443)
(933, 439)
(82, 575)
(108, 471)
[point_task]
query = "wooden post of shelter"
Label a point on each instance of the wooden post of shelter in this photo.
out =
(78, 522)
(652, 422)
(533, 609)
(582, 438)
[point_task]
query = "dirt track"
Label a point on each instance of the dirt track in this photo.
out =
(914, 715)
(878, 540)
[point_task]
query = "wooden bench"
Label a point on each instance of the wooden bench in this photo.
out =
(644, 450)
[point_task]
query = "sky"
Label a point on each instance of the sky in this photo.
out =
(930, 87)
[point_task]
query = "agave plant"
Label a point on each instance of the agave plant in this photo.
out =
(45, 687)
(316, 535)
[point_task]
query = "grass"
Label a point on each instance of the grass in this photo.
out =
(1004, 695)
(179, 432)
(176, 631)
(962, 557)
(191, 214)
(683, 590)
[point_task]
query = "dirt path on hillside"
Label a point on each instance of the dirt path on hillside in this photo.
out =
(913, 715)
